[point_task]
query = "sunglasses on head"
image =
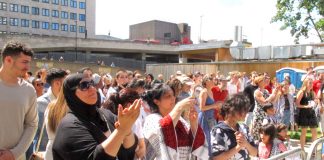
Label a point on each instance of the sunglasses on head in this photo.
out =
(85, 85)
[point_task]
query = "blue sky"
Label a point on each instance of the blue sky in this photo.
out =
(218, 18)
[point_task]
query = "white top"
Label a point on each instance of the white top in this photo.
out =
(51, 137)
(18, 117)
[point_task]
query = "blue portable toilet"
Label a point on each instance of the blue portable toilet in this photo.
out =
(294, 74)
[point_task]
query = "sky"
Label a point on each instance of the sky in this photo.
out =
(218, 19)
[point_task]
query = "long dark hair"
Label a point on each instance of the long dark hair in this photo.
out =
(156, 92)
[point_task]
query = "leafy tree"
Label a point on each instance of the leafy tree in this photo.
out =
(301, 16)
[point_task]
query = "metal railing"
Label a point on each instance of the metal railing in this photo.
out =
(296, 153)
(313, 148)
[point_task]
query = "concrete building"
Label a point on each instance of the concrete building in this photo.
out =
(160, 32)
(68, 18)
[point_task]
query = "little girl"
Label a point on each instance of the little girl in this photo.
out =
(282, 134)
(269, 146)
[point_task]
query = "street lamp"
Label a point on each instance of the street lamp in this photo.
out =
(76, 40)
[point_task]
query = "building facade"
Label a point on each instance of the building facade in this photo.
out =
(161, 32)
(67, 18)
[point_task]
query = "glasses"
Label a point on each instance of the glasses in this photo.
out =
(39, 84)
(85, 85)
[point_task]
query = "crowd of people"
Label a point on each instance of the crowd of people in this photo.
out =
(129, 115)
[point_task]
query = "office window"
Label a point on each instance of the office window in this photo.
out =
(45, 1)
(55, 26)
(73, 4)
(55, 2)
(3, 32)
(64, 2)
(13, 21)
(14, 7)
(55, 13)
(64, 27)
(3, 6)
(14, 33)
(82, 5)
(45, 12)
(24, 23)
(35, 24)
(73, 28)
(25, 9)
(82, 17)
(64, 15)
(36, 0)
(35, 11)
(45, 25)
(3, 20)
(73, 16)
(81, 29)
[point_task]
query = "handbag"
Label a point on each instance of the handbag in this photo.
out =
(37, 155)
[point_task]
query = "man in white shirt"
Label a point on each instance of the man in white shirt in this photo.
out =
(18, 115)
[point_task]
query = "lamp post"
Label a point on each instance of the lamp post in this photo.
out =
(200, 28)
(76, 40)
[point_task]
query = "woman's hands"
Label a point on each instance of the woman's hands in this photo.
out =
(128, 116)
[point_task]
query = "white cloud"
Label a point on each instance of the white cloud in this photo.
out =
(218, 21)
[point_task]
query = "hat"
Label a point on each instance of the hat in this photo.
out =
(223, 78)
(179, 73)
(96, 78)
(185, 80)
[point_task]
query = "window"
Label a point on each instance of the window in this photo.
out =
(3, 32)
(64, 15)
(45, 25)
(64, 2)
(81, 29)
(73, 28)
(13, 21)
(14, 33)
(81, 17)
(36, 0)
(45, 12)
(73, 4)
(73, 16)
(55, 13)
(45, 1)
(3, 6)
(25, 9)
(35, 11)
(55, 26)
(35, 24)
(55, 2)
(14, 7)
(82, 5)
(64, 27)
(24, 23)
(3, 20)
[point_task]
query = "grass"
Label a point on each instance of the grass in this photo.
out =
(296, 134)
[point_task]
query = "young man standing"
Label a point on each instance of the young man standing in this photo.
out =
(18, 116)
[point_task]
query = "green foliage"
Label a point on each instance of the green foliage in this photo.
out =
(301, 16)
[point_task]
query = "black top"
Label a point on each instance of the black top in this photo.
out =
(306, 97)
(80, 139)
(249, 92)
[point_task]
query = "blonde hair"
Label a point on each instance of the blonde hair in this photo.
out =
(258, 79)
(56, 111)
(305, 83)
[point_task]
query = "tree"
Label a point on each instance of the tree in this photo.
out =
(301, 16)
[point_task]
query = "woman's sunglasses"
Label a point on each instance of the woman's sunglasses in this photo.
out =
(40, 84)
(85, 85)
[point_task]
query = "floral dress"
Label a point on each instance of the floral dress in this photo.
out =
(258, 116)
(223, 139)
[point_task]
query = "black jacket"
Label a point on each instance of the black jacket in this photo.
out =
(80, 139)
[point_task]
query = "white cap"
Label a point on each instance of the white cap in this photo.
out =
(96, 78)
(179, 73)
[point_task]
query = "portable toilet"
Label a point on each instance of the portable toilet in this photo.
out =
(294, 74)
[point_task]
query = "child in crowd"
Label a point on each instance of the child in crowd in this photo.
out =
(282, 134)
(270, 114)
(269, 145)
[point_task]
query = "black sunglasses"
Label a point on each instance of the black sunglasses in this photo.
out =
(85, 85)
(40, 84)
